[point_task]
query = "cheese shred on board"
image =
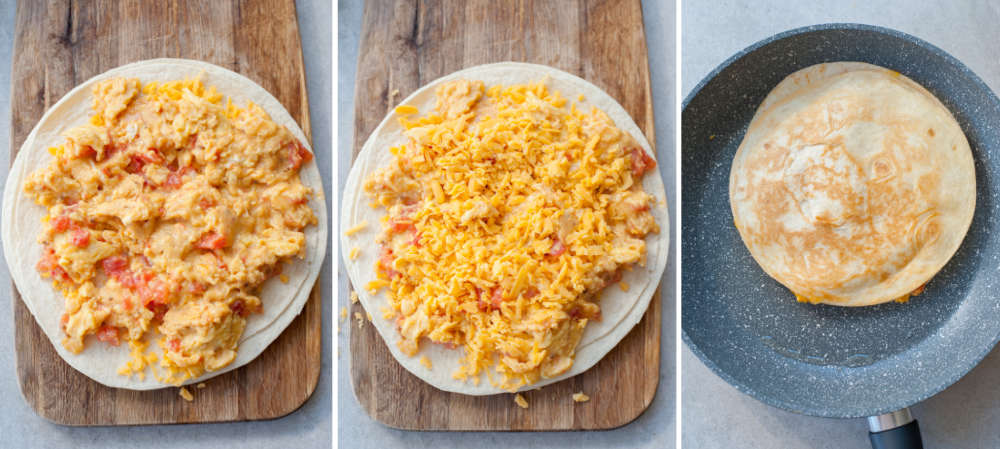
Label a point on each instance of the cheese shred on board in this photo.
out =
(508, 210)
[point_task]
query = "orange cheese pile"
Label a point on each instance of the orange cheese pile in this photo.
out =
(508, 211)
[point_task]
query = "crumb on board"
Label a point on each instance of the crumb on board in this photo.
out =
(356, 228)
(580, 397)
(201, 385)
(343, 313)
(425, 361)
(521, 402)
(354, 297)
(284, 279)
(360, 318)
(712, 137)
(623, 285)
(355, 252)
(186, 394)
(368, 315)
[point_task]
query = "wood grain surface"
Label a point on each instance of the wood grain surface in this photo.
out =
(60, 44)
(407, 44)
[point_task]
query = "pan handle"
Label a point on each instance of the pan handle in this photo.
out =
(895, 430)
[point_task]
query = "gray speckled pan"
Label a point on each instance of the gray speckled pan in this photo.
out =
(826, 360)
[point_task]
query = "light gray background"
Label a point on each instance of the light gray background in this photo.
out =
(655, 427)
(715, 414)
(310, 426)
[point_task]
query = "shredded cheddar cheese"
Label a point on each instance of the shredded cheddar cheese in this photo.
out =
(509, 210)
(186, 394)
(580, 397)
(425, 361)
(355, 252)
(356, 228)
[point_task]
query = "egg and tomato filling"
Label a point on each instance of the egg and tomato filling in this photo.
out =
(508, 212)
(166, 212)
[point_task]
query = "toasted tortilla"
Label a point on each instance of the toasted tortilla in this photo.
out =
(620, 310)
(853, 185)
(281, 302)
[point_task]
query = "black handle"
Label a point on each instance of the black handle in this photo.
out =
(903, 437)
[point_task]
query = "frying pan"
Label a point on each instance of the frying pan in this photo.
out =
(825, 360)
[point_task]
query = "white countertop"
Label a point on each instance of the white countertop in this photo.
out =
(655, 427)
(308, 427)
(715, 414)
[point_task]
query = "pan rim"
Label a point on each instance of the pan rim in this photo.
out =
(887, 406)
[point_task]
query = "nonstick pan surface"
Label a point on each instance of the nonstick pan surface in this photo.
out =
(817, 359)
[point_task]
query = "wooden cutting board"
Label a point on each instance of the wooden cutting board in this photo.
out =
(60, 44)
(407, 44)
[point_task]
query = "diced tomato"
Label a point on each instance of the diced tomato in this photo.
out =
(641, 162)
(530, 292)
(385, 263)
(80, 237)
(497, 297)
(401, 226)
(60, 223)
(127, 302)
(206, 203)
(176, 176)
(297, 154)
(49, 265)
(416, 240)
(70, 201)
(211, 241)
(174, 180)
(152, 290)
(135, 164)
(153, 155)
(492, 303)
(403, 222)
(87, 151)
(114, 264)
(558, 248)
(197, 287)
(111, 148)
(158, 309)
(109, 335)
(239, 308)
(191, 143)
(174, 344)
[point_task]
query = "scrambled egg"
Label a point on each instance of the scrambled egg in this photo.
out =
(166, 212)
(508, 212)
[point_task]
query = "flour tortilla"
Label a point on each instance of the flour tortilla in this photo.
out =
(906, 143)
(620, 310)
(22, 221)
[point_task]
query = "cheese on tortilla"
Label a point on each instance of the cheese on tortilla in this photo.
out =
(619, 310)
